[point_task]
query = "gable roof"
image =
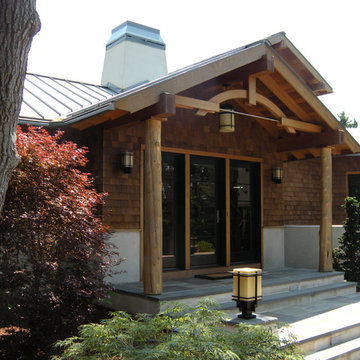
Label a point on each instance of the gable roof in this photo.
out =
(289, 68)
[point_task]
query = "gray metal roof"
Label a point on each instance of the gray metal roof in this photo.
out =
(47, 99)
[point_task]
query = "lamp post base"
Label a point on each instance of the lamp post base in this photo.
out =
(246, 307)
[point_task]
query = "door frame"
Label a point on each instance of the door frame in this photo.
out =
(188, 153)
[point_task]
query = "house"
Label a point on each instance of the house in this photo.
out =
(193, 160)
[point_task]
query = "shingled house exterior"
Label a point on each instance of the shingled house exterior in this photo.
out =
(199, 197)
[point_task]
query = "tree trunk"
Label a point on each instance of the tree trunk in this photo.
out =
(19, 22)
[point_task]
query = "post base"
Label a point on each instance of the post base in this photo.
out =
(246, 307)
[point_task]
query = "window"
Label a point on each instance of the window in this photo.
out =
(354, 185)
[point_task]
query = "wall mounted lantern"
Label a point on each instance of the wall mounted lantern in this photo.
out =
(127, 162)
(227, 118)
(277, 175)
(247, 290)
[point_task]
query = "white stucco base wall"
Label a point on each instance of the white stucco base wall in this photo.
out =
(273, 247)
(302, 245)
(128, 246)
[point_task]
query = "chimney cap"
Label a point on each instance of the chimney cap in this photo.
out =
(132, 31)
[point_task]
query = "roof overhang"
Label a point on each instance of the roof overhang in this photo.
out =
(275, 55)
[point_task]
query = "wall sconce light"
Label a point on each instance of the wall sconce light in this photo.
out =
(127, 162)
(226, 119)
(277, 175)
(247, 290)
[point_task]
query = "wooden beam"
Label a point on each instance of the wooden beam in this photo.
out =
(300, 125)
(309, 141)
(336, 151)
(243, 94)
(298, 154)
(166, 106)
(265, 65)
(282, 95)
(153, 209)
(290, 76)
(314, 152)
(191, 103)
(269, 126)
(325, 258)
(290, 130)
(252, 90)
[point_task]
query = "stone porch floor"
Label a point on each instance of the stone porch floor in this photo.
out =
(198, 287)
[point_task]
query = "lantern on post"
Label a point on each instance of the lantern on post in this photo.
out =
(247, 290)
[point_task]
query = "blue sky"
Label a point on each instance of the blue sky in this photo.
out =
(72, 41)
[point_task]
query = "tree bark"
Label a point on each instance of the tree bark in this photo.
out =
(19, 22)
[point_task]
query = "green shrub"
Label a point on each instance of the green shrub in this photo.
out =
(205, 246)
(180, 332)
(347, 255)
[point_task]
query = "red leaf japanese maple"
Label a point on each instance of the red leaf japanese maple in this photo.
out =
(53, 249)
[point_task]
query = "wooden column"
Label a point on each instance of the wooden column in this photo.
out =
(153, 209)
(325, 260)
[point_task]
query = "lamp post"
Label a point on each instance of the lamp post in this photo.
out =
(247, 290)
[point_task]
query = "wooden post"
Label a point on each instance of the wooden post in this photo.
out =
(153, 209)
(325, 260)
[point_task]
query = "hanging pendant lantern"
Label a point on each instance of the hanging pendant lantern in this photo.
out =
(227, 119)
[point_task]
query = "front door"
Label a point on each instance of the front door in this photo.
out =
(207, 179)
(207, 204)
(244, 211)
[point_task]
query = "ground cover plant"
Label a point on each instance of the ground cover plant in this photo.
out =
(53, 250)
(178, 333)
(347, 255)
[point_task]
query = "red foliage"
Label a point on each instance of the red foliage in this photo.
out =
(53, 253)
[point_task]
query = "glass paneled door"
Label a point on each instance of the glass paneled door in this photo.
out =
(245, 211)
(207, 204)
(173, 205)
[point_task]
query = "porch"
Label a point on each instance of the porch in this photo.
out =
(281, 288)
(319, 308)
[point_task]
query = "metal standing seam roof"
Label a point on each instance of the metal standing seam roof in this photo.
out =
(47, 99)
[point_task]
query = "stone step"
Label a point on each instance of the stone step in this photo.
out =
(330, 338)
(303, 296)
(300, 283)
(349, 350)
(275, 291)
(285, 299)
(331, 334)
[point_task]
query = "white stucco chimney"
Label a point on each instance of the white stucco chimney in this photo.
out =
(134, 54)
